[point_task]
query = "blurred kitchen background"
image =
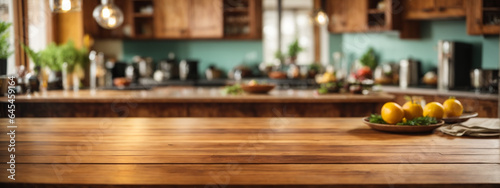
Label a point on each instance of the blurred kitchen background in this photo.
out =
(449, 45)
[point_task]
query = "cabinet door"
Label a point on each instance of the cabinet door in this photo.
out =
(434, 9)
(347, 16)
(171, 18)
(206, 19)
(442, 4)
(420, 5)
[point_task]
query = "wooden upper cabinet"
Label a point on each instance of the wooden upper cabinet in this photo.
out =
(171, 18)
(188, 19)
(482, 17)
(347, 16)
(206, 19)
(434, 9)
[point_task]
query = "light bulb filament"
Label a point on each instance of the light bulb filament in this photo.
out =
(111, 21)
(106, 13)
(66, 5)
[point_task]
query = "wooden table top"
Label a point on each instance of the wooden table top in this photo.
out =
(242, 151)
(195, 95)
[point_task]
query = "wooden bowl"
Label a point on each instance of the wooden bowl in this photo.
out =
(402, 128)
(261, 88)
(277, 75)
(464, 117)
(121, 82)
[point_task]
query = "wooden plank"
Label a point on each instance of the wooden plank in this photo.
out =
(260, 174)
(242, 151)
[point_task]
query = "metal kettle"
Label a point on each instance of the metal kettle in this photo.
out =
(409, 73)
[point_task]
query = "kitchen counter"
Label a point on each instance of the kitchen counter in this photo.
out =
(434, 91)
(194, 102)
(194, 95)
(242, 152)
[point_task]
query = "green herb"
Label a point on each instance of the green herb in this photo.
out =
(368, 59)
(294, 48)
(4, 40)
(233, 90)
(323, 90)
(420, 121)
(375, 118)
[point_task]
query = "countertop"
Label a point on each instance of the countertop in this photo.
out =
(246, 152)
(174, 94)
(434, 91)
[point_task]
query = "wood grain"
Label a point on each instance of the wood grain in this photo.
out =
(206, 19)
(434, 9)
(244, 152)
(171, 19)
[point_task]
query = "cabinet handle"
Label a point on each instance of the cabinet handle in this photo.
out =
(441, 9)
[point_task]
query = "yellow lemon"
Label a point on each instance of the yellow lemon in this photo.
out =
(452, 107)
(412, 110)
(392, 113)
(434, 109)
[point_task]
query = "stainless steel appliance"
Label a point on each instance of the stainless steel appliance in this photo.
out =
(454, 64)
(409, 73)
(169, 67)
(483, 80)
(188, 70)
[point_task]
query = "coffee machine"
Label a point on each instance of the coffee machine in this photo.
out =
(454, 65)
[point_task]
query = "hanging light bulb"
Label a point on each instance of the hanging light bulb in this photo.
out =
(319, 16)
(108, 15)
(62, 6)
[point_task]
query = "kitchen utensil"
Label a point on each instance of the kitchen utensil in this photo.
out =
(260, 88)
(169, 67)
(454, 62)
(409, 73)
(383, 74)
(464, 117)
(93, 70)
(477, 79)
(212, 72)
(188, 70)
(484, 80)
(430, 78)
(240, 71)
(402, 128)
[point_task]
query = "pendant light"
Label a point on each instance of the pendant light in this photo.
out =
(319, 16)
(62, 6)
(108, 15)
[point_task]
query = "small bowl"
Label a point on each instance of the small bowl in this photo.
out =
(464, 117)
(261, 88)
(121, 82)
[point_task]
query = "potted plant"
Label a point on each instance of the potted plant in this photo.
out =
(65, 58)
(293, 50)
(4, 46)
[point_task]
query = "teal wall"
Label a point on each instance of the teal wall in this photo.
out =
(390, 48)
(222, 53)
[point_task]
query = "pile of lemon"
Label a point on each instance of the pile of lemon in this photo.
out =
(393, 113)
